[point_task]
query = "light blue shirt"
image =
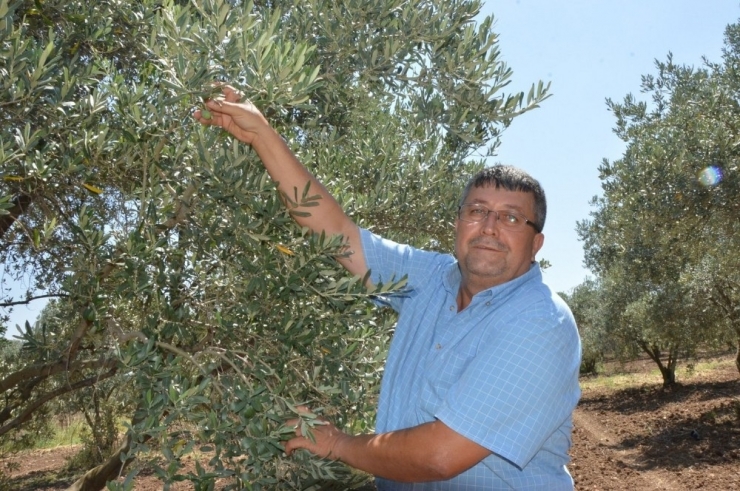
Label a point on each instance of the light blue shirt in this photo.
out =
(503, 372)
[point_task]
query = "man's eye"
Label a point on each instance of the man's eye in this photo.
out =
(509, 218)
(478, 211)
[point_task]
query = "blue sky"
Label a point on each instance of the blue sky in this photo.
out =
(590, 50)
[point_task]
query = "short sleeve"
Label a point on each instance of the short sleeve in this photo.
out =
(389, 261)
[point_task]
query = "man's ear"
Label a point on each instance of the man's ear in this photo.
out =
(454, 244)
(537, 243)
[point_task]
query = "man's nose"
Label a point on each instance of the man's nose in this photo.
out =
(490, 223)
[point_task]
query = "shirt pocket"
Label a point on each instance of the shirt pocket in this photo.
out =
(444, 368)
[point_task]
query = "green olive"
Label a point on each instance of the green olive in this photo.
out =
(89, 314)
(206, 114)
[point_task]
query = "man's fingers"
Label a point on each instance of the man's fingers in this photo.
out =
(206, 117)
(296, 443)
(295, 424)
(223, 106)
(232, 94)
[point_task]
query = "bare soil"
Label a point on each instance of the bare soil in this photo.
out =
(649, 438)
(635, 439)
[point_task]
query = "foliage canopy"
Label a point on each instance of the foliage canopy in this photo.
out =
(663, 238)
(178, 274)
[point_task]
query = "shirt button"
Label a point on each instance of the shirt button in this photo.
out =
(439, 346)
(488, 303)
(452, 307)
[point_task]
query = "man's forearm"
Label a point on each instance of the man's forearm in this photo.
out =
(429, 452)
(390, 456)
(292, 176)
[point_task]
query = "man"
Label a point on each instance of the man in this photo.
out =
(482, 373)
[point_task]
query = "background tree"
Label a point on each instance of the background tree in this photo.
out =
(585, 303)
(668, 213)
(180, 273)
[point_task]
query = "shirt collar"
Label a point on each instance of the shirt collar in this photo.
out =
(453, 277)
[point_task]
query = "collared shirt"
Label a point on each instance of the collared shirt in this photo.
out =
(503, 372)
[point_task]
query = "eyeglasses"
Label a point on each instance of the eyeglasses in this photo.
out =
(508, 219)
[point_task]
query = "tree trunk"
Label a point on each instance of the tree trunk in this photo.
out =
(20, 204)
(668, 371)
(669, 375)
(96, 479)
(737, 352)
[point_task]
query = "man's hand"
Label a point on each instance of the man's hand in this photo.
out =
(326, 438)
(241, 119)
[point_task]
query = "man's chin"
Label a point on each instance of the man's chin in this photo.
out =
(485, 269)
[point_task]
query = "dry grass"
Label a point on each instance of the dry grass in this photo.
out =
(615, 375)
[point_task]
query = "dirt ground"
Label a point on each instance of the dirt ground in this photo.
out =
(648, 438)
(635, 439)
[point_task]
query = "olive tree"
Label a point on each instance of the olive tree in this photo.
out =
(185, 278)
(586, 304)
(668, 213)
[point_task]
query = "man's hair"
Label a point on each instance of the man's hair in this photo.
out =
(511, 179)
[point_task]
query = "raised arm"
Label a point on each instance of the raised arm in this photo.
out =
(245, 122)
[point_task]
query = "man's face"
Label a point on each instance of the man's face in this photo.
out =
(488, 253)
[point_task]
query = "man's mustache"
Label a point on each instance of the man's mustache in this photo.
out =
(488, 243)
